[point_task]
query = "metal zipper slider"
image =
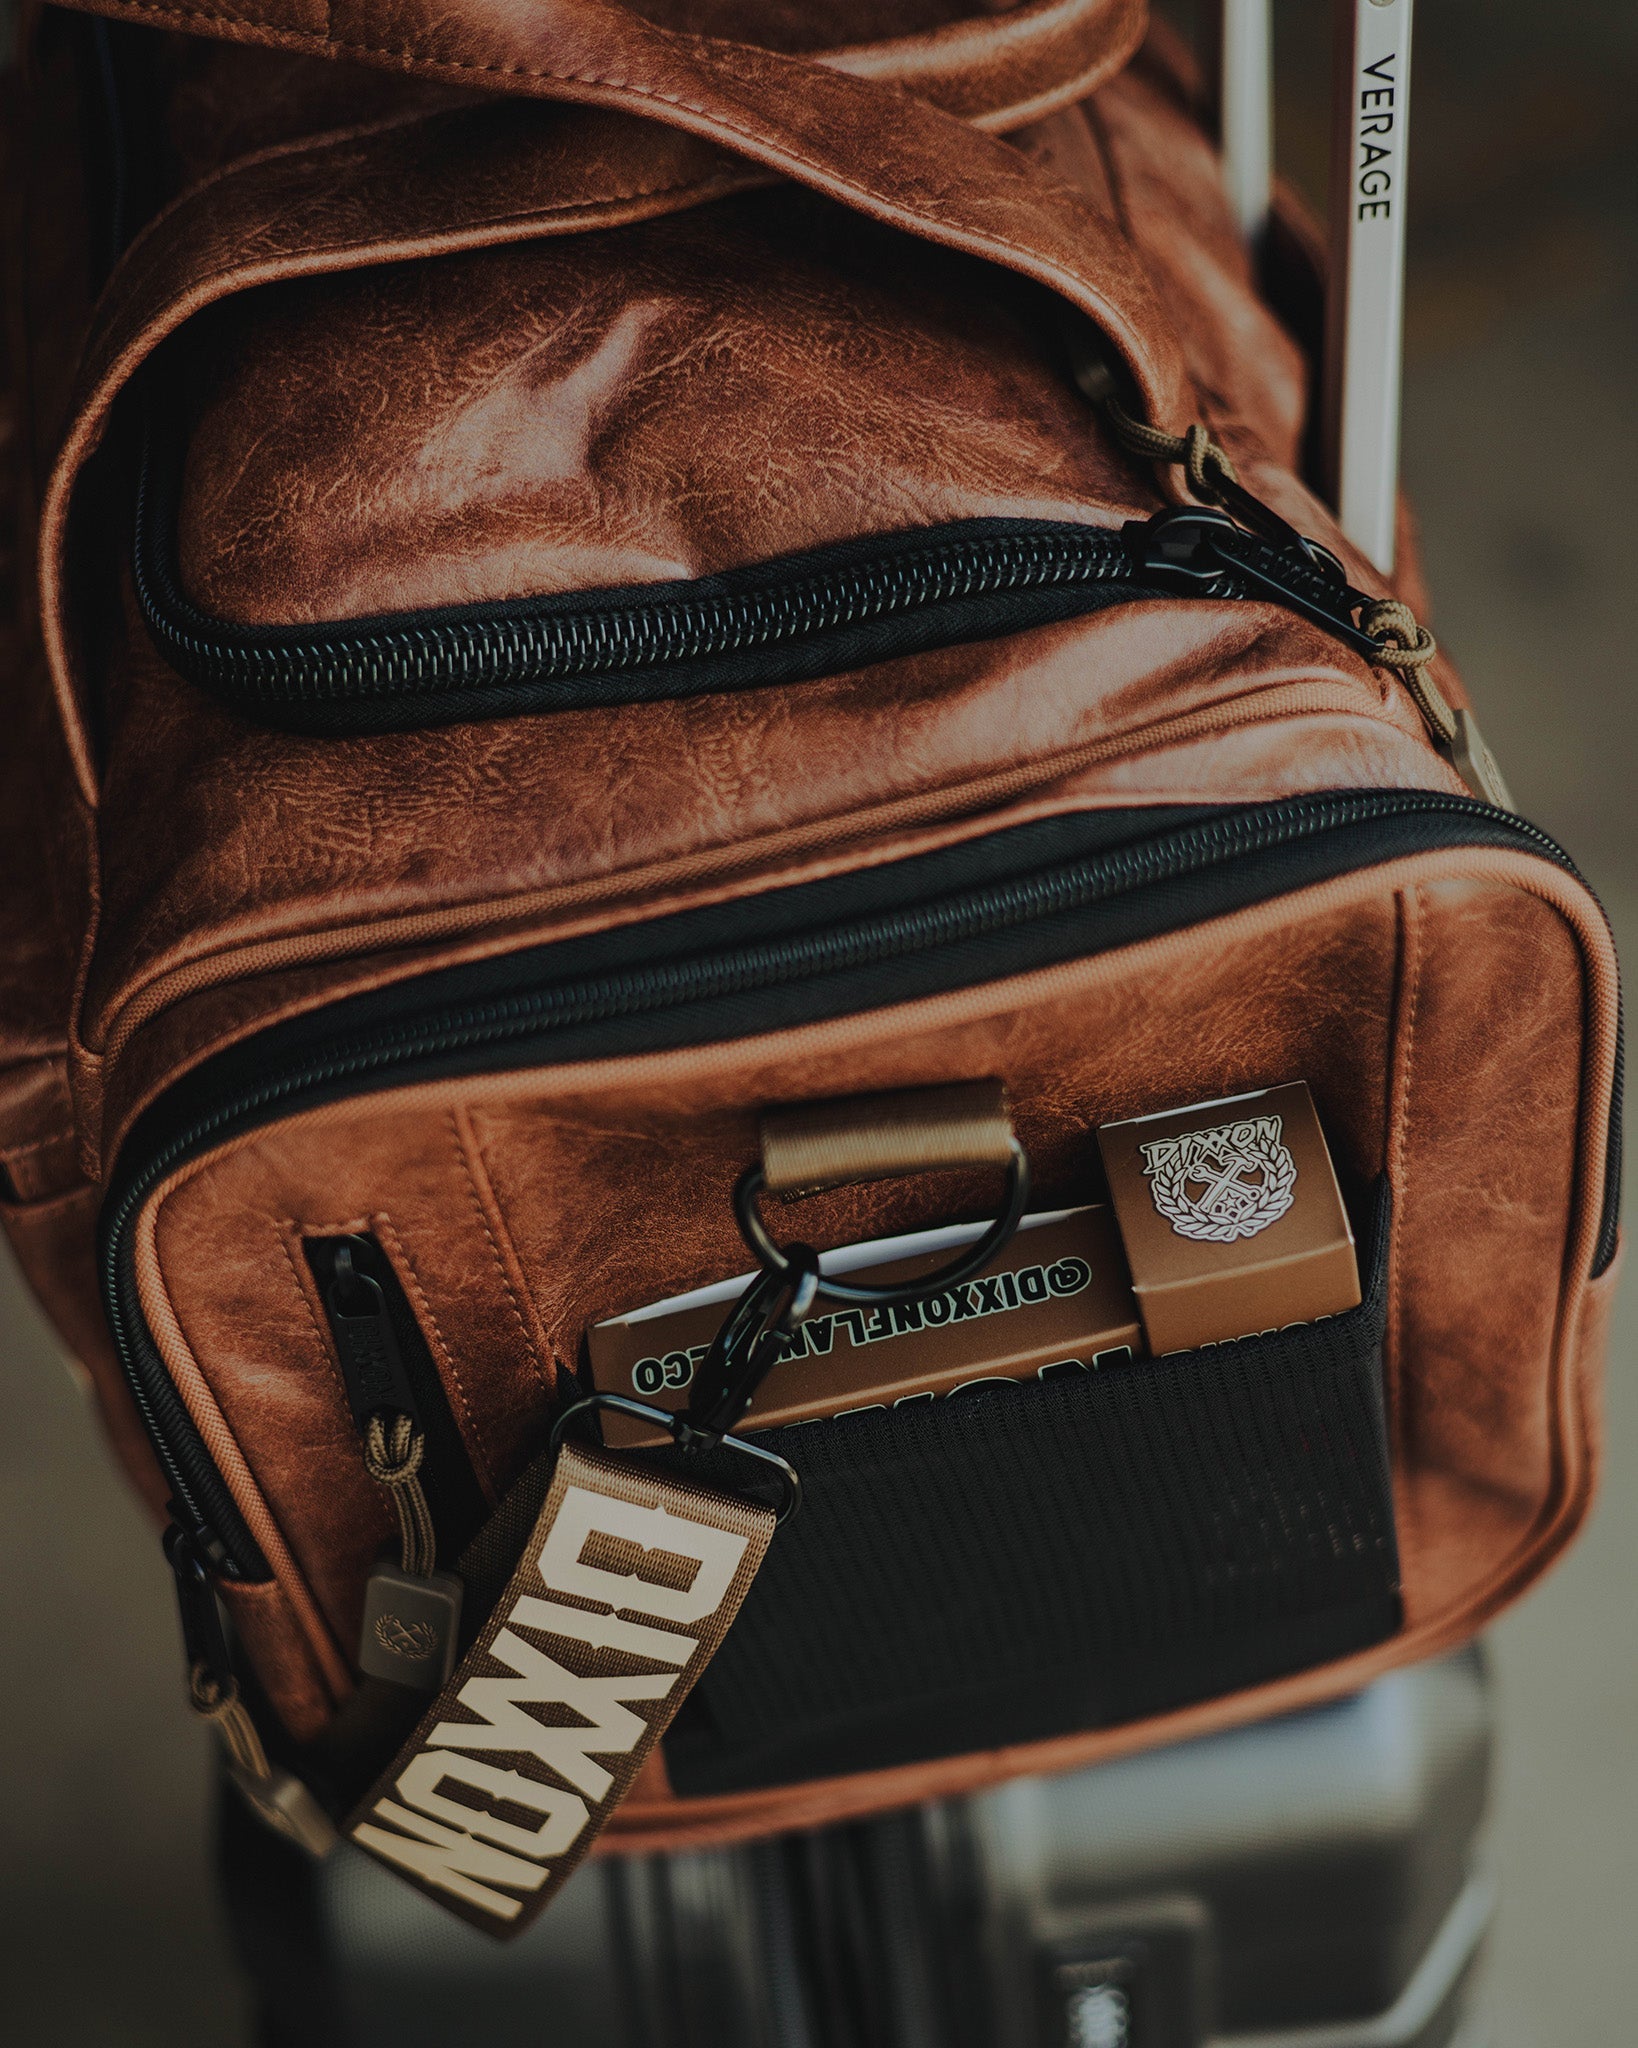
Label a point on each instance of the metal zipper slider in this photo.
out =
(1205, 554)
(366, 1344)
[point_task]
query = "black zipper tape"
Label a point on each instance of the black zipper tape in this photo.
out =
(1064, 889)
(821, 612)
(407, 1378)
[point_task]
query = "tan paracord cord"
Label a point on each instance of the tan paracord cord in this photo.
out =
(218, 1702)
(1196, 450)
(1404, 644)
(393, 1451)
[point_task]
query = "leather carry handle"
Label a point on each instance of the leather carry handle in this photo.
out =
(883, 1137)
(882, 150)
(1000, 70)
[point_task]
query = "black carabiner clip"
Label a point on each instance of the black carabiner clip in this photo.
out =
(966, 1265)
(788, 1284)
(747, 1341)
(683, 1434)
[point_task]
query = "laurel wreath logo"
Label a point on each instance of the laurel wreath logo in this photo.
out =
(415, 1640)
(1230, 1206)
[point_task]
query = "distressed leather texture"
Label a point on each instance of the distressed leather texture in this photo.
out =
(447, 305)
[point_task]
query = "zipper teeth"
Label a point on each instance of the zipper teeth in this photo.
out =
(976, 914)
(268, 665)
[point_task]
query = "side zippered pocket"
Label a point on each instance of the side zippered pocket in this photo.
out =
(412, 1449)
(388, 1368)
(795, 618)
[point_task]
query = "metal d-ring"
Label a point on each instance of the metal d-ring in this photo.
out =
(682, 1432)
(966, 1265)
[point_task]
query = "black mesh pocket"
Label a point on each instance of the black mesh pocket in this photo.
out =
(1003, 1566)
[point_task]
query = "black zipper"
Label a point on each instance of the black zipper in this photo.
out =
(1063, 889)
(387, 1364)
(822, 612)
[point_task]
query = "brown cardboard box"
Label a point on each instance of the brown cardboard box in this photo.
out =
(1232, 1218)
(1057, 1296)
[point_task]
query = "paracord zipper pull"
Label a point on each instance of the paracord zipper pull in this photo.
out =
(412, 1611)
(1388, 632)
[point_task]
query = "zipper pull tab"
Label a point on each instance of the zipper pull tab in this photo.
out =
(204, 1643)
(366, 1344)
(412, 1611)
(1206, 554)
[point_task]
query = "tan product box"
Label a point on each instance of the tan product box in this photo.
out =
(1058, 1296)
(1232, 1218)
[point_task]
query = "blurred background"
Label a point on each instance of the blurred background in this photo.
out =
(1521, 420)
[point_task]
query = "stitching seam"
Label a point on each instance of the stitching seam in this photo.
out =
(529, 1350)
(412, 1283)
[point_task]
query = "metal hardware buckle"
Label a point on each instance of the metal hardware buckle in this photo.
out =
(686, 1436)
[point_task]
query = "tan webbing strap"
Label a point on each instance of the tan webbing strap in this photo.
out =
(627, 1585)
(876, 1137)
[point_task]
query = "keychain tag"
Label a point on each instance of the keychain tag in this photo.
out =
(410, 1627)
(627, 1585)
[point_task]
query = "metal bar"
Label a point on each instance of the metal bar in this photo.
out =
(1245, 109)
(1365, 314)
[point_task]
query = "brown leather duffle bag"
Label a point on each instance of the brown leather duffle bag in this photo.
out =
(587, 573)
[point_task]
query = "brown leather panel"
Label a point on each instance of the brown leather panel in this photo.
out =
(45, 902)
(618, 408)
(38, 1155)
(1485, 1157)
(396, 838)
(1006, 64)
(404, 189)
(271, 1637)
(222, 101)
(292, 1366)
(999, 66)
(1168, 193)
(1588, 1350)
(54, 1244)
(1309, 986)
(227, 100)
(797, 26)
(177, 1017)
(563, 1157)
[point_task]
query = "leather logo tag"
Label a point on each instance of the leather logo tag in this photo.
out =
(626, 1587)
(1226, 1183)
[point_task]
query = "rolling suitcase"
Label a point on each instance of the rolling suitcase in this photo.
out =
(1312, 1882)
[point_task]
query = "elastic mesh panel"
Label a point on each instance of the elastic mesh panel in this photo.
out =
(1008, 1565)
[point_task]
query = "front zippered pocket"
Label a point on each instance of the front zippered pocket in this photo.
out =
(388, 1367)
(825, 611)
(1063, 889)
